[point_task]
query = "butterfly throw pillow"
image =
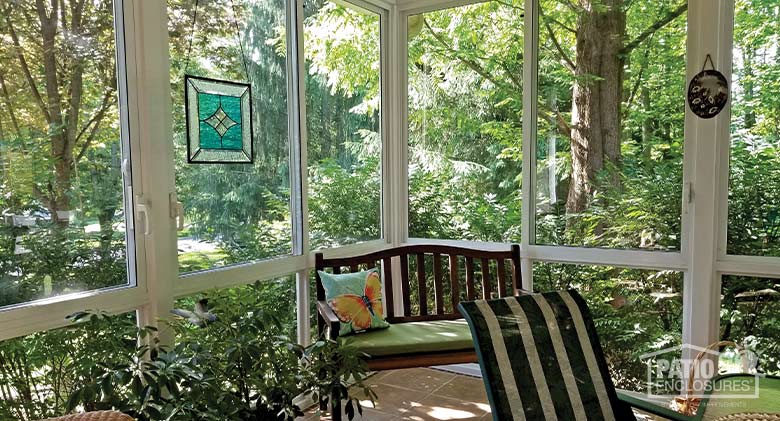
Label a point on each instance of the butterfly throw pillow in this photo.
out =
(356, 298)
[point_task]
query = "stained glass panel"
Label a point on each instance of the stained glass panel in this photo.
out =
(219, 123)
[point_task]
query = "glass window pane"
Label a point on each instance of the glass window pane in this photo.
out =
(276, 297)
(343, 109)
(61, 185)
(465, 113)
(40, 371)
(635, 311)
(235, 212)
(610, 124)
(750, 315)
(754, 194)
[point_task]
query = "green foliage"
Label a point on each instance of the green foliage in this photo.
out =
(343, 122)
(754, 197)
(748, 316)
(457, 207)
(645, 212)
(59, 152)
(333, 368)
(244, 366)
(39, 372)
(465, 103)
(275, 295)
(342, 47)
(345, 202)
(241, 367)
(57, 261)
(629, 208)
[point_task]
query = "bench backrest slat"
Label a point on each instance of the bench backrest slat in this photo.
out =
(501, 278)
(454, 282)
(388, 287)
(517, 278)
(470, 294)
(422, 289)
(405, 283)
(424, 262)
(437, 286)
(486, 290)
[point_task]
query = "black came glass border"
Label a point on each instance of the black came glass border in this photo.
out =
(187, 122)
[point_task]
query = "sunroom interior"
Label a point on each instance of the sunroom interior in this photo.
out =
(573, 129)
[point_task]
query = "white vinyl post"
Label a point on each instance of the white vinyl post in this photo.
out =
(299, 162)
(710, 26)
(398, 58)
(303, 314)
(530, 70)
(396, 162)
(153, 92)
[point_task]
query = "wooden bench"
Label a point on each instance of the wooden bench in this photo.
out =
(430, 331)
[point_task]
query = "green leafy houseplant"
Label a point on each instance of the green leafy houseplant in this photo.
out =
(241, 367)
(333, 367)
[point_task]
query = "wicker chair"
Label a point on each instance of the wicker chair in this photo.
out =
(94, 416)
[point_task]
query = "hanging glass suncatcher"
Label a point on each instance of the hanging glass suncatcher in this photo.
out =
(708, 91)
(218, 112)
(219, 121)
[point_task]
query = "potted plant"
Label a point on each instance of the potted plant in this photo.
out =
(241, 366)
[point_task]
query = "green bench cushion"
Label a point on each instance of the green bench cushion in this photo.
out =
(413, 337)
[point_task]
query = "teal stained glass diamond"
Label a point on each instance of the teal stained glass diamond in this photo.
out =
(219, 121)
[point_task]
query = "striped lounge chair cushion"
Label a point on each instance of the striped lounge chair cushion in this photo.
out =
(541, 359)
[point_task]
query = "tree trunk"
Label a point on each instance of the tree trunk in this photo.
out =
(2, 137)
(748, 55)
(648, 125)
(62, 127)
(595, 128)
(105, 220)
(9, 105)
(56, 197)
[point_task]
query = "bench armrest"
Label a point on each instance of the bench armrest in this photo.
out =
(637, 402)
(332, 322)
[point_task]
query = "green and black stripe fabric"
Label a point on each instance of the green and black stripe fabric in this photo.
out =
(541, 359)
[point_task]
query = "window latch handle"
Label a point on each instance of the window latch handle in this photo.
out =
(179, 216)
(688, 192)
(177, 211)
(142, 210)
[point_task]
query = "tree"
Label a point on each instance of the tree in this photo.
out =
(57, 47)
(601, 52)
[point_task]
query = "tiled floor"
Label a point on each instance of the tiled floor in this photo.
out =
(420, 394)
